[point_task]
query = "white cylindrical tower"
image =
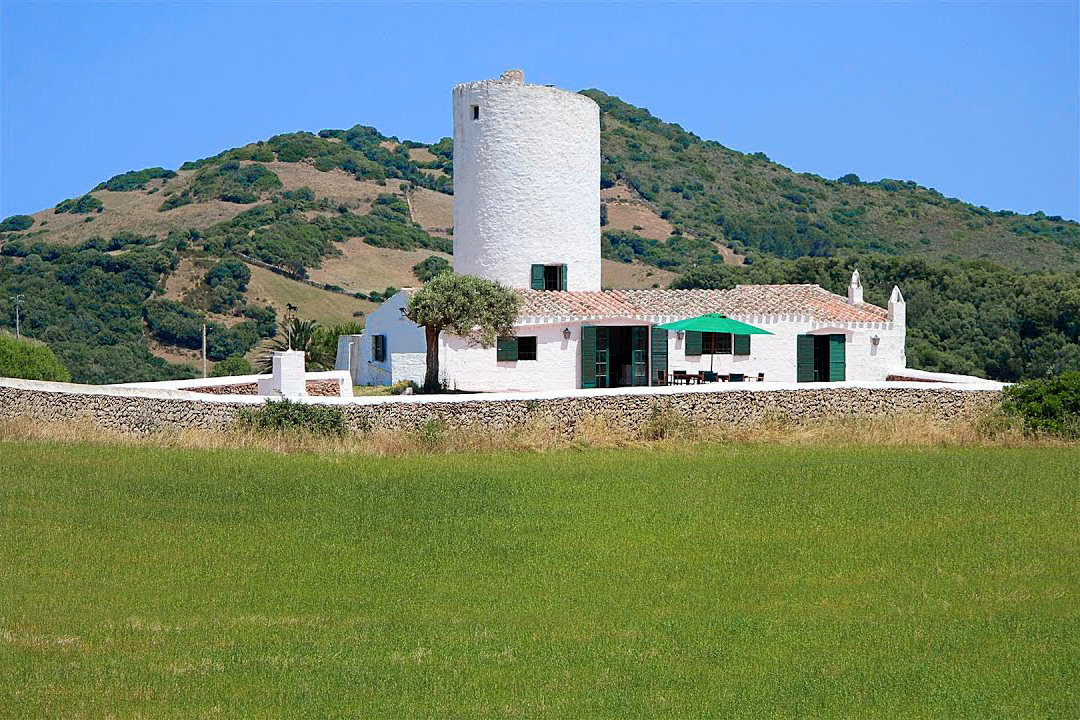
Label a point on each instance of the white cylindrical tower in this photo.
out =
(526, 184)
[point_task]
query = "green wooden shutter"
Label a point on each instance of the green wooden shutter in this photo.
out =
(804, 356)
(506, 349)
(562, 278)
(639, 354)
(537, 277)
(742, 344)
(693, 342)
(837, 362)
(659, 353)
(588, 356)
(378, 347)
(603, 357)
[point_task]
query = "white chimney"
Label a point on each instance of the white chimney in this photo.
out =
(897, 307)
(854, 291)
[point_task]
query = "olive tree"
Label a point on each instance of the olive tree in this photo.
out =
(469, 307)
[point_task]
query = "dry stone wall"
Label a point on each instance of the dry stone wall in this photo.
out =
(171, 410)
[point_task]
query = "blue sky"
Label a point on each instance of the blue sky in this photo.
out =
(978, 100)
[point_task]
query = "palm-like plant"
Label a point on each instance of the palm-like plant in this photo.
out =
(297, 334)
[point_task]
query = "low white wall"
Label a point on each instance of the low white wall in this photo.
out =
(342, 378)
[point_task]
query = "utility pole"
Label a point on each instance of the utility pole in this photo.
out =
(18, 300)
(204, 350)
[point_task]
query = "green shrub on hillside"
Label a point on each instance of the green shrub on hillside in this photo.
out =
(1047, 405)
(286, 415)
(229, 181)
(80, 206)
(176, 324)
(135, 179)
(232, 365)
(30, 360)
(429, 267)
(16, 223)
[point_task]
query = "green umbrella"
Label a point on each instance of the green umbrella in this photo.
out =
(714, 322)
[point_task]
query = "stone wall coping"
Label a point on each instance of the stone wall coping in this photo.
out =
(342, 376)
(154, 390)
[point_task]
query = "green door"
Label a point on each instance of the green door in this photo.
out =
(837, 360)
(659, 354)
(804, 358)
(588, 356)
(639, 355)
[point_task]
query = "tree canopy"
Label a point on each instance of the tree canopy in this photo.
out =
(469, 307)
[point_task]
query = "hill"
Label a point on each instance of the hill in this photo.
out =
(120, 280)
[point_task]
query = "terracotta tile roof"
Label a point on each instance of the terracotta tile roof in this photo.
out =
(743, 300)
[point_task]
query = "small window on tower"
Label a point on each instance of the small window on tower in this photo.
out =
(475, 112)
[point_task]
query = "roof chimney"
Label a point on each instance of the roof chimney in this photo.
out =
(854, 291)
(897, 306)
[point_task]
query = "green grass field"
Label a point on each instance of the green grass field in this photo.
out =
(702, 582)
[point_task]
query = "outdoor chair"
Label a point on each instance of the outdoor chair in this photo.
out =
(736, 377)
(710, 376)
(661, 377)
(761, 377)
(680, 376)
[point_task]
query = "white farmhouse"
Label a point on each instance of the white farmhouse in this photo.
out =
(527, 214)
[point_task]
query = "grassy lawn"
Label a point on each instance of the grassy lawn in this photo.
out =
(706, 582)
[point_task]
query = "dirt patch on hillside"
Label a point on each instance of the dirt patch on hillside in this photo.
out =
(626, 210)
(617, 275)
(639, 218)
(433, 210)
(173, 354)
(323, 306)
(337, 185)
(185, 277)
(135, 211)
(363, 268)
(730, 256)
(421, 155)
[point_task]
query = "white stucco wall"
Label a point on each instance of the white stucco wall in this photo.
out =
(775, 355)
(558, 363)
(405, 346)
(526, 182)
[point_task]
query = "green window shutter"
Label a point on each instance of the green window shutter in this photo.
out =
(537, 277)
(588, 356)
(742, 344)
(562, 278)
(837, 362)
(639, 355)
(506, 349)
(659, 353)
(693, 342)
(378, 347)
(804, 356)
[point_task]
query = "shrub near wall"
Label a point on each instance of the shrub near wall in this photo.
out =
(30, 360)
(1047, 405)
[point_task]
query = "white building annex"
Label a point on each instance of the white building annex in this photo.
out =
(527, 214)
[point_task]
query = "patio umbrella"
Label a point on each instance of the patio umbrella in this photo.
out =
(714, 322)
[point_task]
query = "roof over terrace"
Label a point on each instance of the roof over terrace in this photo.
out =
(741, 300)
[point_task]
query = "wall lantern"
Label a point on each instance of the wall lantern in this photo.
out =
(680, 334)
(875, 339)
(566, 333)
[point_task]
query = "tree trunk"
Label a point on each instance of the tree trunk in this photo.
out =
(431, 377)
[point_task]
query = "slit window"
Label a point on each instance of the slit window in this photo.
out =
(475, 112)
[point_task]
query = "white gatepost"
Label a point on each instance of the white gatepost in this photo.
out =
(288, 374)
